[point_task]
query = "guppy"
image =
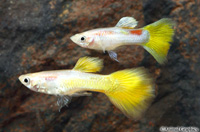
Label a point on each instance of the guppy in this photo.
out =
(155, 38)
(130, 90)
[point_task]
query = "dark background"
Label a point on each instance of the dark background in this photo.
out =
(34, 36)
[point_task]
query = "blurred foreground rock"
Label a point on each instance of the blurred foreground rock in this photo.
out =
(34, 36)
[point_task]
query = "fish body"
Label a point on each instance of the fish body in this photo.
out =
(66, 82)
(155, 38)
(130, 90)
(113, 37)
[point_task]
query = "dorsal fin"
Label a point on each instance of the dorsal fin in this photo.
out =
(89, 64)
(127, 22)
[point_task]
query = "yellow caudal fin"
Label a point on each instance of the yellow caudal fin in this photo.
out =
(161, 34)
(132, 92)
(89, 64)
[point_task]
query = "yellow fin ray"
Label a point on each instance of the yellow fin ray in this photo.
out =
(133, 92)
(161, 34)
(89, 64)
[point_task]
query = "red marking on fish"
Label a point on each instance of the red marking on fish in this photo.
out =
(50, 78)
(136, 32)
(35, 88)
(91, 43)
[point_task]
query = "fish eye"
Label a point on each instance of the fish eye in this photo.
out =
(27, 80)
(83, 38)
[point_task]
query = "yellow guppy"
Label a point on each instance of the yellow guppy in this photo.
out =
(130, 90)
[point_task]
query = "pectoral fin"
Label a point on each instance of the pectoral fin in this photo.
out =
(63, 101)
(127, 22)
(89, 64)
(113, 55)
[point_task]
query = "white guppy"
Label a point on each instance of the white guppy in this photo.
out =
(155, 38)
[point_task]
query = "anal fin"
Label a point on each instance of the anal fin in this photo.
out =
(81, 94)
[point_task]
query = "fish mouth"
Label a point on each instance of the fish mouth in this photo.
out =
(73, 39)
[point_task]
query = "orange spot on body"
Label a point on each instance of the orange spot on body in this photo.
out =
(135, 32)
(50, 78)
(103, 33)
